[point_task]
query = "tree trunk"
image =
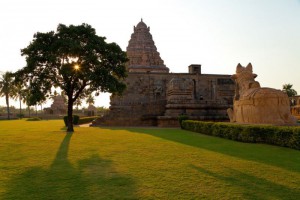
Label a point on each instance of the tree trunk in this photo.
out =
(36, 110)
(7, 104)
(70, 115)
(29, 110)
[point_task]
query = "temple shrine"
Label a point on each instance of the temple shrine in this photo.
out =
(142, 52)
(295, 106)
(58, 107)
(155, 97)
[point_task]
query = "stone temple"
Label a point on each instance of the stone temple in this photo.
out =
(155, 97)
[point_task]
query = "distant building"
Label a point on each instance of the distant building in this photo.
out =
(91, 110)
(58, 107)
(155, 97)
(295, 106)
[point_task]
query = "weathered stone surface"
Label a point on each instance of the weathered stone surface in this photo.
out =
(255, 105)
(155, 97)
(58, 107)
(295, 106)
(91, 110)
(142, 52)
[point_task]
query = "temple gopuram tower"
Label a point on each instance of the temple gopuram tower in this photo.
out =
(142, 52)
(155, 97)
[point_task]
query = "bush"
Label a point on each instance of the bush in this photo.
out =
(75, 120)
(34, 119)
(287, 136)
(85, 120)
(181, 118)
(20, 115)
(66, 120)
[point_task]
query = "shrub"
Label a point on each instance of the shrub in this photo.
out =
(20, 115)
(34, 119)
(181, 118)
(75, 120)
(276, 135)
(85, 120)
(66, 120)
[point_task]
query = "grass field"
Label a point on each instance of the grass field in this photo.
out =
(38, 160)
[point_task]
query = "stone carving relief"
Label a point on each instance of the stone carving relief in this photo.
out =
(180, 89)
(158, 88)
(257, 105)
(142, 52)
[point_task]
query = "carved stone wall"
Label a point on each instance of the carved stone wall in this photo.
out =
(58, 107)
(142, 52)
(295, 106)
(158, 98)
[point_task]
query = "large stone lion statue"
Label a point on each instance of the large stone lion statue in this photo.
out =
(256, 105)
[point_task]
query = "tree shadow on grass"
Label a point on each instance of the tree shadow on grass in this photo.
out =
(94, 178)
(272, 155)
(252, 186)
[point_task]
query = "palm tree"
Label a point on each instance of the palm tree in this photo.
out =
(41, 104)
(26, 99)
(287, 88)
(20, 94)
(78, 103)
(90, 99)
(7, 89)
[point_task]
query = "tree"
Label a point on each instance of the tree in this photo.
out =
(102, 110)
(90, 100)
(288, 89)
(26, 99)
(20, 94)
(77, 61)
(78, 103)
(41, 104)
(7, 89)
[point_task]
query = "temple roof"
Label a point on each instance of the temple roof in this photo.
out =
(142, 52)
(141, 25)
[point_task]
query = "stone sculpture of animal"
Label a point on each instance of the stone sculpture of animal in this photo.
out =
(256, 105)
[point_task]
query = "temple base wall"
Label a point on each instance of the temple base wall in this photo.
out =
(157, 99)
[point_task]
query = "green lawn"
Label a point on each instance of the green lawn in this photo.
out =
(38, 160)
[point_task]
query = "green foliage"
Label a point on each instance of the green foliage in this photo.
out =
(74, 59)
(181, 118)
(79, 120)
(66, 120)
(34, 119)
(20, 115)
(75, 120)
(90, 99)
(85, 120)
(276, 135)
(101, 111)
(288, 89)
(7, 89)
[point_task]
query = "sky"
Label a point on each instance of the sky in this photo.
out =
(218, 34)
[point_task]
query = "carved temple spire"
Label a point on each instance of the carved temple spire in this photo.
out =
(142, 52)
